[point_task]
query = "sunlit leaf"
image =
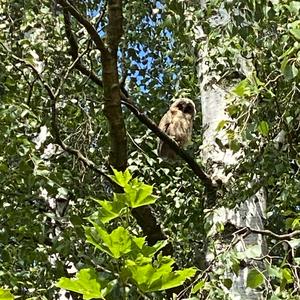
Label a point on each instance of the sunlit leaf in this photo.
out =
(263, 128)
(5, 295)
(287, 275)
(255, 278)
(139, 194)
(121, 178)
(294, 7)
(150, 278)
(198, 286)
(109, 210)
(296, 33)
(116, 244)
(243, 88)
(87, 283)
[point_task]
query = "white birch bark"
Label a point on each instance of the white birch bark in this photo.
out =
(250, 213)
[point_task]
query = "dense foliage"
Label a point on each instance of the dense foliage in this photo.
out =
(47, 193)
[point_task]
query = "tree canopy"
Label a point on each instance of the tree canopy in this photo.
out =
(86, 203)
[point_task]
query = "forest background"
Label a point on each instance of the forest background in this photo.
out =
(82, 85)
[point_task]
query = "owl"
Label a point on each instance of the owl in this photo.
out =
(178, 124)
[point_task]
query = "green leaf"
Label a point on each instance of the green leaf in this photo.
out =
(116, 244)
(234, 145)
(151, 277)
(288, 52)
(287, 275)
(289, 119)
(109, 210)
(253, 251)
(136, 194)
(236, 268)
(5, 295)
(294, 243)
(289, 71)
(294, 7)
(274, 271)
(120, 242)
(296, 33)
(149, 251)
(274, 297)
(243, 88)
(139, 194)
(232, 110)
(221, 125)
(296, 224)
(263, 128)
(199, 286)
(254, 279)
(87, 283)
(121, 178)
(227, 282)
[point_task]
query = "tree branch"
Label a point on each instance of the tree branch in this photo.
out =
(74, 50)
(112, 99)
(141, 116)
(110, 83)
(286, 236)
(86, 24)
(115, 26)
(102, 14)
(173, 145)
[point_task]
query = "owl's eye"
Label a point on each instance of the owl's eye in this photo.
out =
(180, 106)
(188, 109)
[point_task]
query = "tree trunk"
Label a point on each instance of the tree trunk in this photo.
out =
(216, 158)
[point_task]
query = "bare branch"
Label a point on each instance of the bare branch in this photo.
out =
(286, 236)
(102, 14)
(70, 68)
(74, 51)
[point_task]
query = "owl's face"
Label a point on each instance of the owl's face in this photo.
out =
(186, 106)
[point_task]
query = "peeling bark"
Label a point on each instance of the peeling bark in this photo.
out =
(250, 213)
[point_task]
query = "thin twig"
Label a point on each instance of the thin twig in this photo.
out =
(70, 68)
(286, 236)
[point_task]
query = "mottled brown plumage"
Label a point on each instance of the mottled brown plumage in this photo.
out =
(178, 124)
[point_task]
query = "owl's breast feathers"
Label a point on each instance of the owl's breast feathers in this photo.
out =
(182, 128)
(178, 124)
